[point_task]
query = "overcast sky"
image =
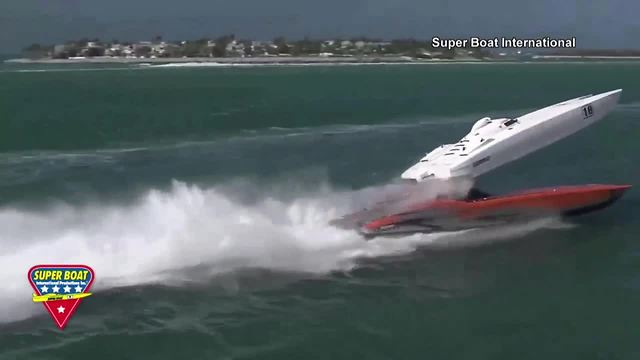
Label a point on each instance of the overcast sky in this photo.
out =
(595, 23)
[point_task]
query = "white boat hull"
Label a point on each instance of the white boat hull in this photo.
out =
(495, 142)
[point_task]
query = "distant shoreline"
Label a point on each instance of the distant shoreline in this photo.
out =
(306, 60)
(239, 60)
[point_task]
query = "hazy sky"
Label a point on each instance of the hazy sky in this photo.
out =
(595, 23)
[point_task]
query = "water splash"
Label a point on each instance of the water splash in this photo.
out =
(154, 237)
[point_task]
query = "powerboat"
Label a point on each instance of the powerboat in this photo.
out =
(494, 142)
(490, 144)
(480, 209)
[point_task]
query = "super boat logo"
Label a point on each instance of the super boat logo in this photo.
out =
(60, 288)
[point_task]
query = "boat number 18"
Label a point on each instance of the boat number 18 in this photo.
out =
(587, 111)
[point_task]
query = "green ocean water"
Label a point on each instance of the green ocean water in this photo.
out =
(201, 196)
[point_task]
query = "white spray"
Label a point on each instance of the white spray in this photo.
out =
(187, 226)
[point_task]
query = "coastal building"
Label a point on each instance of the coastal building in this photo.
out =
(235, 48)
(58, 50)
(259, 48)
(129, 52)
(114, 50)
(92, 49)
(159, 49)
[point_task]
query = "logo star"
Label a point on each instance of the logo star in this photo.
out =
(61, 309)
(55, 289)
(78, 289)
(67, 289)
(44, 289)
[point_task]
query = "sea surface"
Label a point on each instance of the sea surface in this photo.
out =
(201, 197)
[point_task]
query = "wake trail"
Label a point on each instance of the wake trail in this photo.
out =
(164, 232)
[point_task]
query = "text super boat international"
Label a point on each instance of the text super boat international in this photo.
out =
(494, 142)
